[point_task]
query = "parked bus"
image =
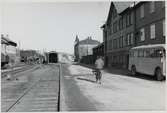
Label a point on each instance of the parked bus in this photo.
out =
(148, 59)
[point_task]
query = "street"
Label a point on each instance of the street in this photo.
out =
(116, 93)
(37, 90)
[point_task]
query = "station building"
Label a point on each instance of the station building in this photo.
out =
(9, 51)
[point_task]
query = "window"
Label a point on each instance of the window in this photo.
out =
(121, 23)
(121, 41)
(115, 27)
(135, 53)
(152, 7)
(124, 21)
(127, 20)
(124, 41)
(111, 44)
(140, 53)
(163, 27)
(152, 31)
(128, 38)
(131, 54)
(131, 41)
(142, 11)
(114, 44)
(131, 18)
(118, 43)
(142, 34)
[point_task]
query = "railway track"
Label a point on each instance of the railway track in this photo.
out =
(14, 71)
(42, 95)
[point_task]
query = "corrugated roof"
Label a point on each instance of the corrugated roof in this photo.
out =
(89, 41)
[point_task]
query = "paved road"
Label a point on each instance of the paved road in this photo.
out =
(36, 90)
(72, 98)
(119, 92)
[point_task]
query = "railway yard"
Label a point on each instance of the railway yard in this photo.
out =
(35, 89)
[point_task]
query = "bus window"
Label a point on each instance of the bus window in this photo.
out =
(152, 53)
(158, 53)
(140, 53)
(131, 53)
(135, 53)
(145, 53)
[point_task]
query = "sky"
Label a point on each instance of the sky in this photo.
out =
(53, 26)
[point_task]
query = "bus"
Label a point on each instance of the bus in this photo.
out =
(148, 59)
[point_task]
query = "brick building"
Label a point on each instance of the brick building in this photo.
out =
(132, 24)
(150, 23)
(118, 34)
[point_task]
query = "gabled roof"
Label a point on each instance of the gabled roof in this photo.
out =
(119, 6)
(89, 41)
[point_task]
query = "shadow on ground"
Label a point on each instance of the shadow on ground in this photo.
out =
(127, 73)
(87, 80)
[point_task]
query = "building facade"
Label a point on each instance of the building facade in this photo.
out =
(118, 34)
(98, 50)
(150, 23)
(84, 47)
(9, 51)
(132, 24)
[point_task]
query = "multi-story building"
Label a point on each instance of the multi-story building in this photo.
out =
(150, 23)
(84, 47)
(118, 34)
(132, 24)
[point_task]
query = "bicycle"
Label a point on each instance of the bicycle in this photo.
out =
(98, 74)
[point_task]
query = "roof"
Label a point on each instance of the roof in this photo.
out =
(89, 41)
(101, 44)
(150, 46)
(121, 6)
(7, 41)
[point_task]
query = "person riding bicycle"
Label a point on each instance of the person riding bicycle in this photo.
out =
(99, 63)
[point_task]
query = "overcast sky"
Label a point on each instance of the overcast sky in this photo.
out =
(53, 26)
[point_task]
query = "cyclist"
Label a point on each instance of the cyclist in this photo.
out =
(99, 63)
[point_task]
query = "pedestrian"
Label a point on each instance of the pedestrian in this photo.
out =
(99, 63)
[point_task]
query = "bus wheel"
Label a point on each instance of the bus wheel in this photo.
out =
(133, 70)
(158, 74)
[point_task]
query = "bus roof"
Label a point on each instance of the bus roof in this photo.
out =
(149, 46)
